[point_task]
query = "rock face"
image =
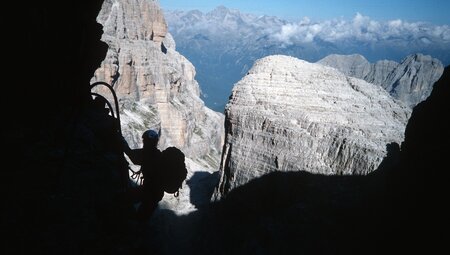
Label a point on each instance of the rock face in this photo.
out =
(291, 115)
(134, 20)
(410, 81)
(155, 84)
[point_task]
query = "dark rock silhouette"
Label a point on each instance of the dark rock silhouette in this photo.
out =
(418, 186)
(62, 181)
(201, 186)
(62, 186)
(399, 208)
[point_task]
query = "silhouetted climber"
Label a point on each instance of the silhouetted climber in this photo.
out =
(162, 171)
(149, 158)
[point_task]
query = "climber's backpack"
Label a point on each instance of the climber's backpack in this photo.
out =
(174, 170)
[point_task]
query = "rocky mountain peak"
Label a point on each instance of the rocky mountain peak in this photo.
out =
(358, 58)
(288, 114)
(419, 57)
(125, 19)
(410, 81)
(222, 11)
(193, 16)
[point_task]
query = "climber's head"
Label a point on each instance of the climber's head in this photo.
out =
(150, 137)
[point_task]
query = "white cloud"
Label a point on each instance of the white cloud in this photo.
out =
(361, 34)
(362, 29)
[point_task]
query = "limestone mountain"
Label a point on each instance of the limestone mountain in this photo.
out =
(155, 84)
(410, 81)
(289, 115)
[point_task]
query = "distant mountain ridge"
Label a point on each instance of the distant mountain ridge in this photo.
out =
(224, 43)
(410, 81)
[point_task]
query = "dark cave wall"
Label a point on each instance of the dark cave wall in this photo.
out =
(421, 183)
(416, 177)
(54, 49)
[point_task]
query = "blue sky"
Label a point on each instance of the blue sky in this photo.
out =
(433, 11)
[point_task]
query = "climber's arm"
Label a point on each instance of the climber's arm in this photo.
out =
(135, 155)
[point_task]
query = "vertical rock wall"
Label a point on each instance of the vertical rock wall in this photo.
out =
(156, 85)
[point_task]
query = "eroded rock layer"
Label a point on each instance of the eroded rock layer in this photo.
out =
(291, 115)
